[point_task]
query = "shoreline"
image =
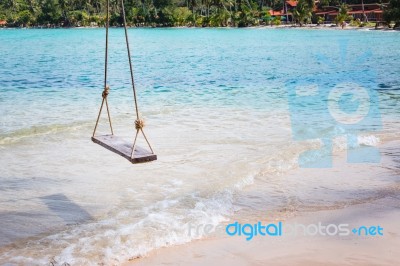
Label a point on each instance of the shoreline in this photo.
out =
(300, 250)
(304, 27)
(219, 117)
(382, 208)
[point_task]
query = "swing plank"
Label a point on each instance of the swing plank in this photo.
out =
(124, 148)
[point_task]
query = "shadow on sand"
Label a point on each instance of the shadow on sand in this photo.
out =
(62, 211)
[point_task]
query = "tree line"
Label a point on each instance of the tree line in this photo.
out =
(158, 13)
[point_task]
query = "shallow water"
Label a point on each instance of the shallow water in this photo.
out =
(217, 113)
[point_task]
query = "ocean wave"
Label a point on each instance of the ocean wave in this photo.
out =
(36, 131)
(124, 236)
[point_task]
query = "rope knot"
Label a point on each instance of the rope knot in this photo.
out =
(105, 92)
(139, 124)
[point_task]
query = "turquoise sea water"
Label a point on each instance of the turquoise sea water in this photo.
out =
(217, 112)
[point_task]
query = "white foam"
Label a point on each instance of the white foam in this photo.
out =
(369, 140)
(121, 237)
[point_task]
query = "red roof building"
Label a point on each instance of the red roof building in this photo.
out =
(276, 13)
(291, 3)
(373, 12)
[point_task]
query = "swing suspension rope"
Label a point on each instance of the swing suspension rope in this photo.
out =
(139, 123)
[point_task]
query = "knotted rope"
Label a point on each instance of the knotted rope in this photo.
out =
(139, 124)
(106, 91)
(106, 88)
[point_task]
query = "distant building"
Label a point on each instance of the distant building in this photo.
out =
(286, 12)
(275, 13)
(371, 12)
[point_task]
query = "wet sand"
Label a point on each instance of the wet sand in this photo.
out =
(382, 209)
(300, 250)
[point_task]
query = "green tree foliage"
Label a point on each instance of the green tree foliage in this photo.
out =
(277, 20)
(25, 18)
(392, 13)
(343, 14)
(221, 13)
(266, 16)
(50, 12)
(303, 11)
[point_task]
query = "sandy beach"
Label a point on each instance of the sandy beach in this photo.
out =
(232, 114)
(353, 249)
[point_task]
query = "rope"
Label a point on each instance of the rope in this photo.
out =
(105, 92)
(139, 124)
(106, 52)
(130, 60)
(106, 88)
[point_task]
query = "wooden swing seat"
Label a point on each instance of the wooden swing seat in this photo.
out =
(124, 148)
(111, 142)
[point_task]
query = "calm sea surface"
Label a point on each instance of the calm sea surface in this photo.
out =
(218, 113)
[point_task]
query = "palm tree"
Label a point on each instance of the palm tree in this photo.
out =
(343, 14)
(302, 12)
(11, 4)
